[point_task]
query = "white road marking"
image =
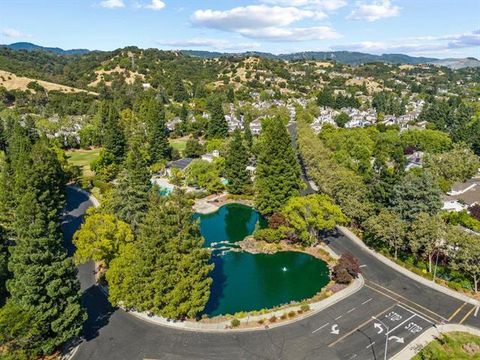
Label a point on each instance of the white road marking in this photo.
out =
(397, 339)
(367, 301)
(370, 345)
(400, 324)
(412, 312)
(338, 317)
(476, 311)
(335, 329)
(379, 327)
(349, 311)
(320, 328)
(363, 266)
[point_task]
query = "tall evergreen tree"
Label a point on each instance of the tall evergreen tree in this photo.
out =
(416, 194)
(277, 176)
(248, 137)
(153, 115)
(130, 197)
(43, 277)
(167, 270)
(217, 126)
(3, 265)
(114, 138)
(236, 163)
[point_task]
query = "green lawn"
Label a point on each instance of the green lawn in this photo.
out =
(457, 345)
(83, 158)
(179, 144)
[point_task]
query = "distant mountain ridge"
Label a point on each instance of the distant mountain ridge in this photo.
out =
(344, 57)
(33, 47)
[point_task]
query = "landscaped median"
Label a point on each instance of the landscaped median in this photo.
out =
(262, 319)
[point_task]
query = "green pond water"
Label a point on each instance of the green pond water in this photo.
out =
(244, 281)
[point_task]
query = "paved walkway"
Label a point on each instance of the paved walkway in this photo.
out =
(428, 336)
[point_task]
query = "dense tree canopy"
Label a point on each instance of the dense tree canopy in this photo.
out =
(167, 270)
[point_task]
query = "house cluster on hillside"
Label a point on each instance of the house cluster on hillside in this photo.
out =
(362, 118)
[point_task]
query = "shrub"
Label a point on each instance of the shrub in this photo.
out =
(305, 307)
(284, 316)
(291, 314)
(272, 319)
(475, 211)
(277, 220)
(268, 235)
(347, 268)
(235, 323)
(261, 321)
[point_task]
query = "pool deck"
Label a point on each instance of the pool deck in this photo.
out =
(212, 203)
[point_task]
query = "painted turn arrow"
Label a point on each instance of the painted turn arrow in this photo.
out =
(398, 339)
(335, 329)
(379, 327)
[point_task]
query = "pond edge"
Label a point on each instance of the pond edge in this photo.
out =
(225, 326)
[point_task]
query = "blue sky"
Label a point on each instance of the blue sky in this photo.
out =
(439, 28)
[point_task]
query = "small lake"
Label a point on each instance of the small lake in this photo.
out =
(244, 281)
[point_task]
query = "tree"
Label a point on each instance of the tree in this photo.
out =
(114, 138)
(153, 115)
(309, 215)
(248, 137)
(277, 176)
(43, 277)
(425, 236)
(326, 98)
(3, 265)
(342, 119)
(388, 228)
(475, 211)
(417, 193)
(193, 149)
(203, 174)
(101, 238)
(167, 270)
(236, 163)
(217, 126)
(20, 333)
(465, 253)
(129, 198)
(346, 269)
(180, 94)
(458, 164)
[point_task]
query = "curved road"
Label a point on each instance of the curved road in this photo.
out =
(345, 330)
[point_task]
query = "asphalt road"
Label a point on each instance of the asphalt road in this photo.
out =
(346, 330)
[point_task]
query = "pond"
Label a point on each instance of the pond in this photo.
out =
(244, 281)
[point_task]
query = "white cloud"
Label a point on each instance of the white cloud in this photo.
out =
(292, 33)
(377, 10)
(416, 45)
(327, 5)
(249, 17)
(266, 22)
(155, 5)
(12, 33)
(217, 44)
(112, 4)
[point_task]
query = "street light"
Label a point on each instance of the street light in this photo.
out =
(386, 336)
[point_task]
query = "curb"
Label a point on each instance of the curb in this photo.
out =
(92, 198)
(428, 336)
(317, 307)
(345, 231)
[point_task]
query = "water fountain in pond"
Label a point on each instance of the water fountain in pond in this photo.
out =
(284, 269)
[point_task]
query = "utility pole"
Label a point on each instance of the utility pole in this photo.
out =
(386, 336)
